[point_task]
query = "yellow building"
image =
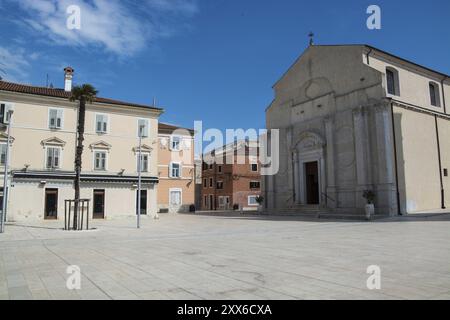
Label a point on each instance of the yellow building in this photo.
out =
(42, 153)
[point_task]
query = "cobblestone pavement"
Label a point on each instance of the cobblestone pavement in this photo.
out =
(229, 257)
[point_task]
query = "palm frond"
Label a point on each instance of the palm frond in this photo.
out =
(86, 91)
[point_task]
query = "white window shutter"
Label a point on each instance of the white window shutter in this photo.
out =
(8, 106)
(2, 112)
(187, 144)
(3, 154)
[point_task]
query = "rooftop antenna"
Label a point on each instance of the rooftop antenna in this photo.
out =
(154, 101)
(311, 38)
(2, 71)
(46, 84)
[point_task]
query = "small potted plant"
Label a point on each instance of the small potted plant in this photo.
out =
(369, 195)
(260, 201)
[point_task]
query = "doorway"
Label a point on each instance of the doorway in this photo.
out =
(312, 183)
(143, 202)
(99, 204)
(224, 203)
(211, 202)
(51, 204)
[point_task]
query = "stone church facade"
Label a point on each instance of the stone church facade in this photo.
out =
(355, 118)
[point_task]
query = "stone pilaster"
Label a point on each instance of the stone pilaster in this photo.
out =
(384, 144)
(330, 161)
(362, 147)
(296, 177)
(386, 189)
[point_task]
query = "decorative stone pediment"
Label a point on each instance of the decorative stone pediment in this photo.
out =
(4, 138)
(56, 142)
(309, 141)
(144, 148)
(101, 145)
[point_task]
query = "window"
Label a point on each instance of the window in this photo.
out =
(175, 170)
(252, 201)
(434, 94)
(445, 172)
(143, 128)
(55, 118)
(219, 169)
(100, 160)
(254, 167)
(392, 81)
(219, 185)
(4, 114)
(210, 167)
(210, 182)
(205, 183)
(101, 123)
(255, 185)
(144, 162)
(3, 147)
(175, 143)
(53, 158)
(175, 197)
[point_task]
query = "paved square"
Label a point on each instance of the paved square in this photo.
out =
(229, 257)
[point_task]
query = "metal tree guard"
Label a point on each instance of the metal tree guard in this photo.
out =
(83, 207)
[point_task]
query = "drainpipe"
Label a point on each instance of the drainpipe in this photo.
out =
(443, 94)
(399, 211)
(440, 163)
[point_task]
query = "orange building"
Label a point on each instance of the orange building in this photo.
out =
(176, 189)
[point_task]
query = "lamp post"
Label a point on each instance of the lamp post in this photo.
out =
(141, 134)
(8, 116)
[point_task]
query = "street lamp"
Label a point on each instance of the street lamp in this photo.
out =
(8, 117)
(141, 135)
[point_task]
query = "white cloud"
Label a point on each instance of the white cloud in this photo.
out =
(118, 26)
(14, 64)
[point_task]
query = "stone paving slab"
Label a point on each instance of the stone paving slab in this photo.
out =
(228, 256)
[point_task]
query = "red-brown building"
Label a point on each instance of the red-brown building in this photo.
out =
(235, 185)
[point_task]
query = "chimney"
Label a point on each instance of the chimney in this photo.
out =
(68, 75)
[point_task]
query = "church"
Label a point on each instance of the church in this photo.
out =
(352, 119)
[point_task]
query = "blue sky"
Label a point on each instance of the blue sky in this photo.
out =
(210, 60)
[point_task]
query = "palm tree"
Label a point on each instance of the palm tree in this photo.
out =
(83, 94)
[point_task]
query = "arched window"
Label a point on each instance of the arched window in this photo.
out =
(393, 85)
(434, 94)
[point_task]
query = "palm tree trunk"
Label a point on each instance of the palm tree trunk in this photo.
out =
(78, 159)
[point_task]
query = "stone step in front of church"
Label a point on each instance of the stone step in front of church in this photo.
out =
(323, 213)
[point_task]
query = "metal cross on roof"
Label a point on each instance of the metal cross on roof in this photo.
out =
(311, 38)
